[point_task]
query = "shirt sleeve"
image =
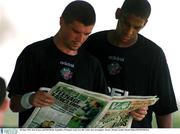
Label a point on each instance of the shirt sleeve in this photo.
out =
(164, 88)
(23, 79)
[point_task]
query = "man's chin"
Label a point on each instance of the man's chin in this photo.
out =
(75, 48)
(125, 39)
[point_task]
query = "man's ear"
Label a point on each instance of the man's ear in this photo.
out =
(145, 22)
(118, 13)
(61, 21)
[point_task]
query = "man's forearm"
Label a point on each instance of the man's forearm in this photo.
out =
(15, 104)
(164, 121)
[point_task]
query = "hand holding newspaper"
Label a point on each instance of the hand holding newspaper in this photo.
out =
(79, 108)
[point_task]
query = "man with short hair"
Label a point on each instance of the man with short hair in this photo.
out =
(58, 58)
(133, 64)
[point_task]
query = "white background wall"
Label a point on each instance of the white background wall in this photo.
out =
(25, 21)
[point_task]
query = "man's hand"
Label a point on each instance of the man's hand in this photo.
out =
(139, 114)
(41, 98)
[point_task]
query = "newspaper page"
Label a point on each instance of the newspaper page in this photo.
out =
(74, 108)
(117, 114)
(79, 108)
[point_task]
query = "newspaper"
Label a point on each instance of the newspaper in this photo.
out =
(78, 108)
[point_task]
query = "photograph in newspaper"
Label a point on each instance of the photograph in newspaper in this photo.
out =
(74, 108)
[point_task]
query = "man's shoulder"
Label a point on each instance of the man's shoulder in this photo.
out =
(38, 45)
(41, 43)
(149, 43)
(36, 49)
(150, 48)
(99, 34)
(96, 41)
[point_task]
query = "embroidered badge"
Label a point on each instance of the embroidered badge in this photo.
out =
(114, 68)
(66, 73)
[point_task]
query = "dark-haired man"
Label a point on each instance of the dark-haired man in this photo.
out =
(58, 58)
(134, 64)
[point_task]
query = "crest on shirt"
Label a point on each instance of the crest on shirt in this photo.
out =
(114, 68)
(66, 73)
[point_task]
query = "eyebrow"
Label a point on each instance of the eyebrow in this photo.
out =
(124, 17)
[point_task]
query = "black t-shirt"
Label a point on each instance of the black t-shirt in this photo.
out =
(140, 69)
(41, 64)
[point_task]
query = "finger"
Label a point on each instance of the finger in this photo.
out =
(48, 97)
(45, 96)
(48, 101)
(41, 98)
(44, 102)
(138, 118)
(144, 108)
(138, 115)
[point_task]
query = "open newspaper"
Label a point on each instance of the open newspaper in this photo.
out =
(79, 108)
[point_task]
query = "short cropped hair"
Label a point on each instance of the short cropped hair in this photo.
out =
(140, 8)
(2, 91)
(80, 11)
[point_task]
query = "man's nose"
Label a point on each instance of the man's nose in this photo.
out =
(80, 38)
(129, 31)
